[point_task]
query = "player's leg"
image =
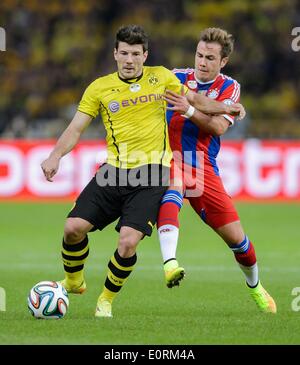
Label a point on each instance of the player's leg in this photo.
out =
(219, 213)
(244, 253)
(242, 248)
(95, 208)
(168, 232)
(168, 225)
(120, 267)
(75, 251)
(139, 215)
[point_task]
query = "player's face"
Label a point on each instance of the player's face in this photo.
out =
(130, 59)
(208, 61)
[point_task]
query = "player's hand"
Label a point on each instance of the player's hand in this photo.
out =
(179, 101)
(50, 167)
(237, 110)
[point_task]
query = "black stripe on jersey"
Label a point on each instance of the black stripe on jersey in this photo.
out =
(92, 116)
(112, 131)
(131, 81)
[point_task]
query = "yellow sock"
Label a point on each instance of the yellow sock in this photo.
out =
(107, 294)
(75, 279)
(119, 268)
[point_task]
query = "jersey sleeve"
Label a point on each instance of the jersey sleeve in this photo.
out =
(174, 84)
(89, 103)
(230, 95)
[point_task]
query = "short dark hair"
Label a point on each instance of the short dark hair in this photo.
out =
(132, 34)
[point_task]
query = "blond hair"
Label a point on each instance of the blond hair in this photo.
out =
(220, 36)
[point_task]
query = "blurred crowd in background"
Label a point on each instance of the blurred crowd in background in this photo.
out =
(56, 48)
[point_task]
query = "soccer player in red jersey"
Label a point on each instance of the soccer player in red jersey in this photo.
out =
(195, 141)
(131, 107)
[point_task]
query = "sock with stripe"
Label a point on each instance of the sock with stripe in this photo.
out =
(74, 257)
(244, 254)
(119, 269)
(168, 224)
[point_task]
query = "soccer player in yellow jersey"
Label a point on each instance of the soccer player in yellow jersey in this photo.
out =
(129, 186)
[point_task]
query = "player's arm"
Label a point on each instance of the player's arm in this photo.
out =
(212, 124)
(65, 143)
(215, 125)
(205, 104)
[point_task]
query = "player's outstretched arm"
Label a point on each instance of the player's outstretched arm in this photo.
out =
(210, 106)
(65, 143)
(204, 104)
(212, 124)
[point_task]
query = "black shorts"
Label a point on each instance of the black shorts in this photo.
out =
(108, 197)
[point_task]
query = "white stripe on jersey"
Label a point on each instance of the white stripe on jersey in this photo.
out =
(230, 119)
(236, 90)
(234, 97)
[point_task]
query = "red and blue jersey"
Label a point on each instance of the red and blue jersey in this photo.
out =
(185, 136)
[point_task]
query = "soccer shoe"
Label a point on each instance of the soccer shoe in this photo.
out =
(103, 308)
(174, 276)
(263, 299)
(173, 273)
(73, 288)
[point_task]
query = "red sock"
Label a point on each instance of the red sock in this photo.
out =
(246, 258)
(168, 214)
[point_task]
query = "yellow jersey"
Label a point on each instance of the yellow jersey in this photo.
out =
(134, 115)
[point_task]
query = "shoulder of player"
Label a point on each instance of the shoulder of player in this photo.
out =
(102, 81)
(155, 70)
(228, 88)
(162, 73)
(229, 80)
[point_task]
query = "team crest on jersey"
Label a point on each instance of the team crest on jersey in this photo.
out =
(135, 88)
(228, 101)
(213, 94)
(114, 106)
(192, 84)
(153, 80)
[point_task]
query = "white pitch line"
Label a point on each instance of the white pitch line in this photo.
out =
(5, 267)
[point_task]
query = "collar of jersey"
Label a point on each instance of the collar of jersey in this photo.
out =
(207, 82)
(131, 81)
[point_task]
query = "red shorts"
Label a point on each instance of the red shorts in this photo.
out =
(206, 193)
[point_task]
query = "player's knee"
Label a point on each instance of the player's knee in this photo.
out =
(235, 238)
(73, 232)
(128, 241)
(232, 233)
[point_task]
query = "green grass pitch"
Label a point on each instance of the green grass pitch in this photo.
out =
(212, 306)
